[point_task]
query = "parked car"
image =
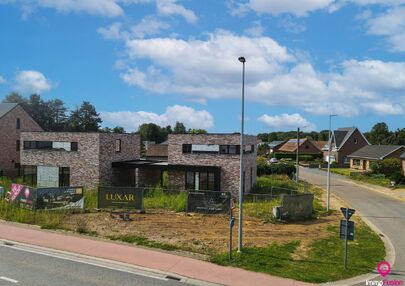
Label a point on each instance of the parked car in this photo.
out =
(273, 160)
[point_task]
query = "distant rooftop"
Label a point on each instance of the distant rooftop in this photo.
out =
(376, 152)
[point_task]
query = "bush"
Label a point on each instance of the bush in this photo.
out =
(387, 167)
(279, 168)
(303, 157)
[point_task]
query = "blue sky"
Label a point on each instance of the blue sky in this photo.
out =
(163, 61)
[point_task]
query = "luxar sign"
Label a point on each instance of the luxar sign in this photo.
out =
(120, 198)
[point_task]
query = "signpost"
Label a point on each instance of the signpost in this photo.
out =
(231, 224)
(347, 229)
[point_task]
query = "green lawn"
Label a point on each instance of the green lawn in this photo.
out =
(322, 263)
(377, 180)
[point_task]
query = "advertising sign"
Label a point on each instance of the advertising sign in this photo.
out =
(120, 198)
(23, 195)
(208, 202)
(60, 198)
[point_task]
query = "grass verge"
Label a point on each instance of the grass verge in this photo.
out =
(321, 262)
(143, 241)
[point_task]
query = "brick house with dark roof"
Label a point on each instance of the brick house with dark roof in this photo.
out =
(403, 162)
(13, 120)
(362, 158)
(344, 141)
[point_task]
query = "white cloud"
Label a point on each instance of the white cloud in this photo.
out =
(287, 122)
(131, 120)
(208, 69)
(107, 8)
(148, 26)
(31, 81)
(170, 7)
(390, 24)
(113, 32)
(256, 30)
(2, 79)
(298, 8)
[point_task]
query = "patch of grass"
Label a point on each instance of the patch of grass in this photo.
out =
(261, 209)
(156, 198)
(265, 183)
(140, 240)
(90, 198)
(45, 219)
(322, 263)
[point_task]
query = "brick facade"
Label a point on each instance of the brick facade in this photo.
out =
(9, 134)
(229, 164)
(90, 166)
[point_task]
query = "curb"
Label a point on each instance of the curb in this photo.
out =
(117, 265)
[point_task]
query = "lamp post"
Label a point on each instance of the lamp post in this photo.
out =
(329, 147)
(241, 177)
(297, 172)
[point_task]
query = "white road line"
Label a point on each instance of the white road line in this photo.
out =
(75, 259)
(8, 279)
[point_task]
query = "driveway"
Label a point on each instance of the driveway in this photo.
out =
(386, 213)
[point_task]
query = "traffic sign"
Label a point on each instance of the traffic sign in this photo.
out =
(350, 229)
(347, 212)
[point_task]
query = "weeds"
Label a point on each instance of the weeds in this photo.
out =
(140, 240)
(157, 198)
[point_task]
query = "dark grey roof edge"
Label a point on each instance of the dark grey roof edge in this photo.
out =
(353, 155)
(14, 105)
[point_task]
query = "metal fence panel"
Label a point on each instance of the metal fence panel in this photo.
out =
(208, 202)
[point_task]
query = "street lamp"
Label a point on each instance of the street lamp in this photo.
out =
(241, 177)
(329, 147)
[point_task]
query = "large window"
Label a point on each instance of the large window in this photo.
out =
(204, 181)
(215, 149)
(30, 175)
(230, 149)
(64, 176)
(50, 145)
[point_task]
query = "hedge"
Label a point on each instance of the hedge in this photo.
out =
(279, 168)
(303, 157)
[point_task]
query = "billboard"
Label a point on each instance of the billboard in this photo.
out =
(23, 196)
(120, 198)
(208, 202)
(60, 198)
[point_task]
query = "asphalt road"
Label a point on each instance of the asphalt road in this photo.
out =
(22, 267)
(384, 212)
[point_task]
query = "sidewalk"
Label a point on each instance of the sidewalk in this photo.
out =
(158, 260)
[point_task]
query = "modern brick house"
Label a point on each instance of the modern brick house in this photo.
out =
(199, 162)
(52, 159)
(344, 141)
(362, 158)
(13, 120)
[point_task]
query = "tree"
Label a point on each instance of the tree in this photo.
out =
(151, 132)
(197, 131)
(118, 129)
(379, 134)
(14, 98)
(179, 128)
(84, 119)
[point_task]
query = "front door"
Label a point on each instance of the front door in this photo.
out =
(364, 165)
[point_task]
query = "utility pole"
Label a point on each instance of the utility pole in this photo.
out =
(241, 179)
(329, 149)
(298, 156)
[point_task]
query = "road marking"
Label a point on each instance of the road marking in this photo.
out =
(8, 279)
(75, 259)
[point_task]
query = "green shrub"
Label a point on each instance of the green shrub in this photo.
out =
(303, 157)
(278, 168)
(388, 166)
(90, 198)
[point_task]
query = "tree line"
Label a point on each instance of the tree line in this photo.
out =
(52, 115)
(380, 134)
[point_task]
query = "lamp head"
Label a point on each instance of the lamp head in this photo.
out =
(242, 59)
